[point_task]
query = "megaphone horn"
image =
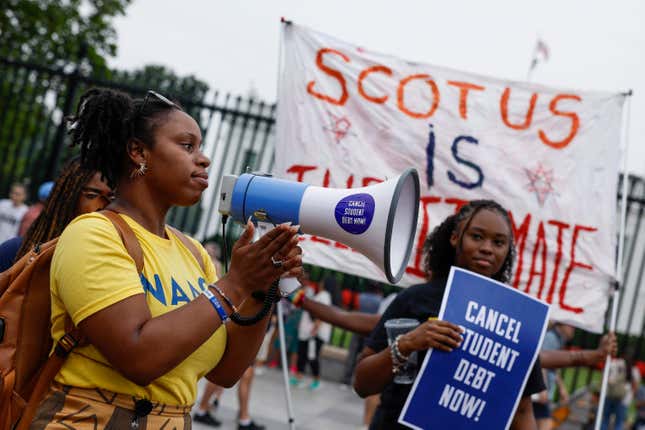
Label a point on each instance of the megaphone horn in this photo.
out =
(379, 221)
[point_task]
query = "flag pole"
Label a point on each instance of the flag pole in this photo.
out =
(283, 346)
(529, 74)
(619, 261)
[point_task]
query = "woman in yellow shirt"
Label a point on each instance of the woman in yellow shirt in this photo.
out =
(152, 335)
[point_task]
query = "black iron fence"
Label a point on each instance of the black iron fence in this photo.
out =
(35, 99)
(238, 133)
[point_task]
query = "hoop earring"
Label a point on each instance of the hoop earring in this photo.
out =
(140, 172)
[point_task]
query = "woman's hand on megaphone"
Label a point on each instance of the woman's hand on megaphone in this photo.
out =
(434, 333)
(255, 265)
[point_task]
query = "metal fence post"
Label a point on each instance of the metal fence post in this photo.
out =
(70, 96)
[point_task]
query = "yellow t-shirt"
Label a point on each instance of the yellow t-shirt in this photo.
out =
(92, 270)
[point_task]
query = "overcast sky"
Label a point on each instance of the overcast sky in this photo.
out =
(233, 45)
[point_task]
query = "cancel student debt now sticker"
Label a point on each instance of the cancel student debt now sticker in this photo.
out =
(355, 212)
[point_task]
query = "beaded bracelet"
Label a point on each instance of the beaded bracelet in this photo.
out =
(216, 304)
(396, 366)
(221, 293)
(398, 359)
(398, 354)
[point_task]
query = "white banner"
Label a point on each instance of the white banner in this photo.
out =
(350, 117)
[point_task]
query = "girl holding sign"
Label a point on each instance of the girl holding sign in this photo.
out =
(478, 238)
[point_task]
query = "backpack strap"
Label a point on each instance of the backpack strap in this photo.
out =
(73, 336)
(191, 247)
(52, 366)
(130, 241)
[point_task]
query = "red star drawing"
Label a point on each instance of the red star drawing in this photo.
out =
(339, 127)
(540, 182)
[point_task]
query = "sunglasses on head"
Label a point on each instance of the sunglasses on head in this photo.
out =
(156, 95)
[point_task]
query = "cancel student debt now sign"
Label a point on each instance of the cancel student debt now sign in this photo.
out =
(350, 116)
(479, 384)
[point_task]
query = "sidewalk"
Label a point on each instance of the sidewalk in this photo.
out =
(330, 407)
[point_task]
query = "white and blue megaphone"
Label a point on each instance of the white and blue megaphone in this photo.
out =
(379, 221)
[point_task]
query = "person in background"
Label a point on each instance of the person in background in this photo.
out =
(623, 381)
(556, 338)
(292, 316)
(368, 303)
(639, 403)
(74, 184)
(203, 413)
(263, 353)
(12, 210)
(312, 334)
(35, 209)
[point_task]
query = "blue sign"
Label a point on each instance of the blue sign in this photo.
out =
(478, 385)
(354, 213)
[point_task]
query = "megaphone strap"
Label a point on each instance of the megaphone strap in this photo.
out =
(269, 298)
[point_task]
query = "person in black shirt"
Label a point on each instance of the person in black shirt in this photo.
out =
(478, 238)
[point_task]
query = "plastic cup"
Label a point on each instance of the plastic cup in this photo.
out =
(395, 327)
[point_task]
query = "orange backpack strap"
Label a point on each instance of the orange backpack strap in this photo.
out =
(130, 241)
(49, 371)
(191, 247)
(73, 336)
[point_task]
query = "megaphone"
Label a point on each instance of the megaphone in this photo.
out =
(379, 220)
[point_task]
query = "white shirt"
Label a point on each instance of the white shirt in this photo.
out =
(10, 217)
(306, 323)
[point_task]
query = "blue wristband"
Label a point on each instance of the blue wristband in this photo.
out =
(216, 304)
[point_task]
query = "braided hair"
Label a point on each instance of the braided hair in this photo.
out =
(106, 121)
(439, 252)
(60, 208)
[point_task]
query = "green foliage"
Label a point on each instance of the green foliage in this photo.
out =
(73, 36)
(57, 33)
(187, 90)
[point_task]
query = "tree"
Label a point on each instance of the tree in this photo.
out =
(53, 33)
(76, 37)
(188, 90)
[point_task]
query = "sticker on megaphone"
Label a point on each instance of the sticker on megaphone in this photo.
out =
(354, 213)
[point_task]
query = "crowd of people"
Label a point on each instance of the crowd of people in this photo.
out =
(152, 333)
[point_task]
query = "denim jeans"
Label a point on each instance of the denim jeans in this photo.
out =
(618, 409)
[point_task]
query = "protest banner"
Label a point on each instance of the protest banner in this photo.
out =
(478, 385)
(350, 117)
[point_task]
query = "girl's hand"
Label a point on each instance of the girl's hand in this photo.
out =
(438, 334)
(254, 266)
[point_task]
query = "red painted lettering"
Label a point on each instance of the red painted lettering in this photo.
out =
(333, 73)
(540, 241)
(369, 180)
(464, 87)
(529, 114)
(363, 75)
(401, 90)
(520, 233)
(457, 202)
(558, 258)
(300, 170)
(575, 122)
(573, 264)
(326, 179)
(417, 269)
